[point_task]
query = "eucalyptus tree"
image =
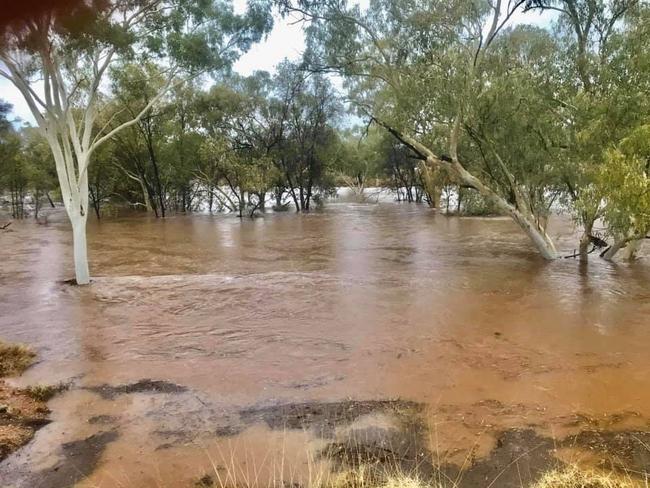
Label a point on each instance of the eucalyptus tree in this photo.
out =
(13, 168)
(359, 162)
(623, 184)
(134, 86)
(41, 171)
(602, 94)
(307, 112)
(68, 51)
(234, 115)
(184, 135)
(420, 70)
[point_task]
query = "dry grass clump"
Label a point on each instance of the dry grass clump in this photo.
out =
(574, 477)
(406, 482)
(206, 481)
(364, 477)
(14, 358)
(44, 393)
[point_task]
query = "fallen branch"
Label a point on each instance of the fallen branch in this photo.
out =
(3, 227)
(576, 254)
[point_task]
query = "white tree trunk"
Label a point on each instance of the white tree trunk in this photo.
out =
(82, 273)
(629, 253)
(613, 250)
(525, 220)
(629, 244)
(540, 239)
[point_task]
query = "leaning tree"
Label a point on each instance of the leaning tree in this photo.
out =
(58, 58)
(423, 70)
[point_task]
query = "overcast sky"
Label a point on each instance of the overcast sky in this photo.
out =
(285, 41)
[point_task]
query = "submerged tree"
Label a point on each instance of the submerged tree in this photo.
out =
(421, 70)
(601, 93)
(521, 116)
(69, 50)
(623, 185)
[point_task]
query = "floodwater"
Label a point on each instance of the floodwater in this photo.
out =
(354, 303)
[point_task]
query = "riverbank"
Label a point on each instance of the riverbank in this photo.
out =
(22, 411)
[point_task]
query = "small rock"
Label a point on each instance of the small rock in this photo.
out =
(4, 408)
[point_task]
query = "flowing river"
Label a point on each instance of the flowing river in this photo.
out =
(245, 348)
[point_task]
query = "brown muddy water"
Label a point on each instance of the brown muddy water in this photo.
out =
(267, 347)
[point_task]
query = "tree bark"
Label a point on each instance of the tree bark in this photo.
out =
(610, 252)
(629, 253)
(585, 240)
(82, 273)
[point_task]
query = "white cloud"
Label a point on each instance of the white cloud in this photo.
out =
(286, 40)
(9, 93)
(539, 18)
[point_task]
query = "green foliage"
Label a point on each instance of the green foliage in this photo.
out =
(624, 184)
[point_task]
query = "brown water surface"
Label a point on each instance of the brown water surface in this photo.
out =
(362, 302)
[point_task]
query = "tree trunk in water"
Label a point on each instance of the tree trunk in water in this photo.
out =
(82, 273)
(541, 240)
(37, 206)
(145, 197)
(242, 203)
(585, 241)
(613, 250)
(520, 213)
(524, 218)
(629, 253)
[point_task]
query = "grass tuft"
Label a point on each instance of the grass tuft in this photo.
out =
(366, 477)
(44, 393)
(574, 477)
(204, 482)
(406, 482)
(14, 359)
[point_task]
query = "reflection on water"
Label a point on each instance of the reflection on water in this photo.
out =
(360, 301)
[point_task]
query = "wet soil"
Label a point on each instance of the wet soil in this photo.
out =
(110, 392)
(324, 418)
(627, 451)
(518, 458)
(77, 460)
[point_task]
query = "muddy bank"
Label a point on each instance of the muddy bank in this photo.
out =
(323, 418)
(519, 457)
(394, 436)
(382, 436)
(77, 460)
(110, 392)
